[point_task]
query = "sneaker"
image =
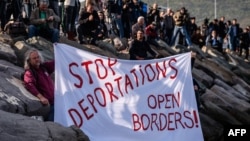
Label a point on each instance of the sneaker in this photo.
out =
(246, 60)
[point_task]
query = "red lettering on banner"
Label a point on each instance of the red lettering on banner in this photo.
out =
(162, 121)
(133, 72)
(149, 72)
(175, 69)
(164, 101)
(138, 76)
(111, 64)
(148, 69)
(71, 114)
(76, 75)
(98, 69)
(110, 91)
(128, 83)
(178, 118)
(86, 66)
(142, 75)
(84, 110)
(188, 115)
(117, 80)
(102, 95)
(170, 121)
(145, 123)
(159, 69)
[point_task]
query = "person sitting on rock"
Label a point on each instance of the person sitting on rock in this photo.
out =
(37, 79)
(152, 35)
(88, 27)
(140, 48)
(214, 41)
(42, 22)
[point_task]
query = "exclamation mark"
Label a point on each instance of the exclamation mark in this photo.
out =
(195, 119)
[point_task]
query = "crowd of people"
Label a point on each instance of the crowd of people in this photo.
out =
(92, 20)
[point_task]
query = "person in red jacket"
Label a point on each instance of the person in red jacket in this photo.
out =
(37, 79)
(152, 35)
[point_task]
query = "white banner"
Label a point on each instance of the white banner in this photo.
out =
(126, 100)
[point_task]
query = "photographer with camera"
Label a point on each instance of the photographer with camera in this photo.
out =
(42, 22)
(153, 15)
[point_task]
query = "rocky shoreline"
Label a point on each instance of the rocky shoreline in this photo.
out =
(225, 100)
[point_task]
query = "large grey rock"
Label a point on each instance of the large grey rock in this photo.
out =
(225, 101)
(7, 53)
(15, 97)
(16, 127)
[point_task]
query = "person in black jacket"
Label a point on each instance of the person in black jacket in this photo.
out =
(244, 43)
(89, 21)
(140, 48)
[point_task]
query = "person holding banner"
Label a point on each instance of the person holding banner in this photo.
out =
(140, 47)
(37, 79)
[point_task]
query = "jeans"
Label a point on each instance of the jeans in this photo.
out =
(119, 25)
(52, 34)
(69, 18)
(51, 113)
(175, 37)
(233, 42)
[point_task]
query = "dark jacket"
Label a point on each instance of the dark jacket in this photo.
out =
(140, 48)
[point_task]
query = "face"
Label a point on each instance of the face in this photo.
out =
(141, 22)
(35, 59)
(100, 16)
(43, 5)
(90, 8)
(139, 35)
(155, 6)
(214, 33)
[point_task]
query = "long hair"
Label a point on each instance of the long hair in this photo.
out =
(27, 58)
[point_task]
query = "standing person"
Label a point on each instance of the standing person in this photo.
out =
(3, 14)
(140, 48)
(14, 9)
(115, 11)
(244, 43)
(169, 24)
(135, 10)
(222, 28)
(28, 6)
(192, 26)
(37, 79)
(233, 33)
(42, 22)
(54, 4)
(181, 18)
(70, 12)
(126, 18)
(153, 15)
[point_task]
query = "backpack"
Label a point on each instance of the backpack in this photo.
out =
(15, 28)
